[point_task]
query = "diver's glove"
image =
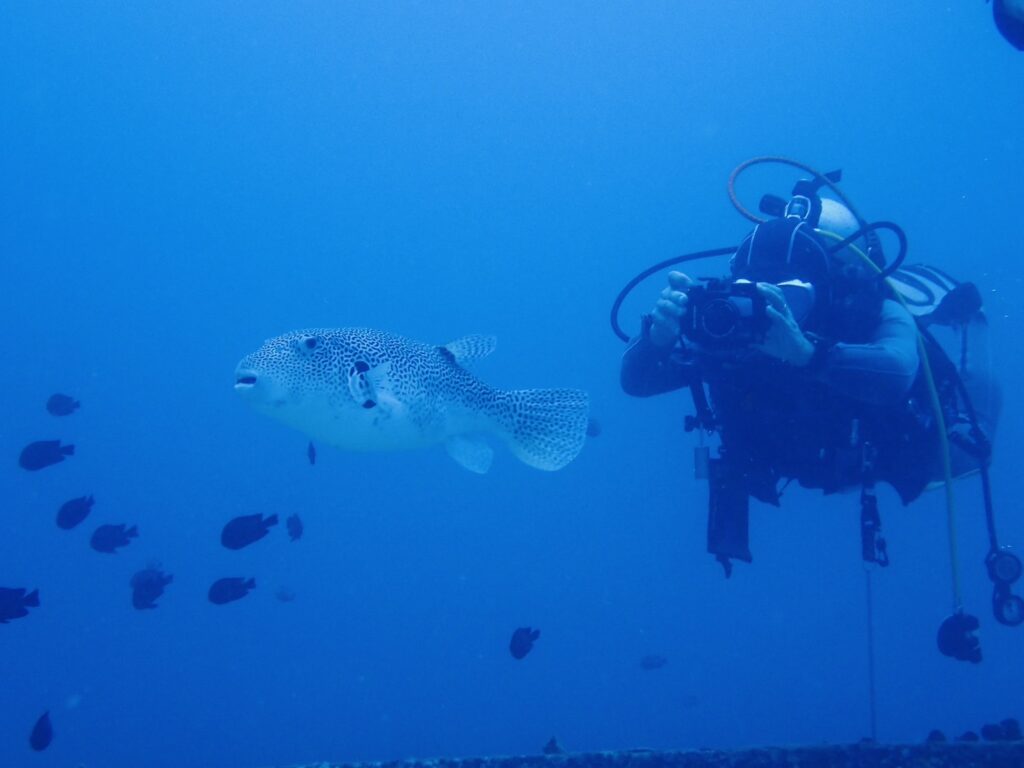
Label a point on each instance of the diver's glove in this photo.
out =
(666, 319)
(784, 340)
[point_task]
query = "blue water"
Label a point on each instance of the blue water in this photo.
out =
(180, 182)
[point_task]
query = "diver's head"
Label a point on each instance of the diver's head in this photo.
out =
(837, 289)
(786, 252)
(778, 250)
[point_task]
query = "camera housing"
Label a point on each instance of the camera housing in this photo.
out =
(725, 314)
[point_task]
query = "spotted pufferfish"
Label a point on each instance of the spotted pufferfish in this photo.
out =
(367, 390)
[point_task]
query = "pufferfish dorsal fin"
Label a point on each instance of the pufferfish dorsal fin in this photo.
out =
(469, 348)
(371, 387)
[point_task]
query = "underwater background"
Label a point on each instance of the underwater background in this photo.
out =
(179, 182)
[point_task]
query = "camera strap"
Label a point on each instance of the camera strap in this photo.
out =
(703, 417)
(873, 547)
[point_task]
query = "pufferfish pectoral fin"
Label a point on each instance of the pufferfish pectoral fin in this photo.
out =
(371, 387)
(470, 452)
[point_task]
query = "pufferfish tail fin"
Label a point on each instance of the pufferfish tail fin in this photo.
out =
(545, 428)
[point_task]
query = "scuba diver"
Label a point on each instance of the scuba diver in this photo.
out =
(1009, 18)
(815, 360)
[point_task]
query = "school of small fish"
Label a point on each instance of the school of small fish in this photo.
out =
(146, 585)
(356, 389)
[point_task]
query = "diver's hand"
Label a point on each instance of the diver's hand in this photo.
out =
(668, 313)
(784, 339)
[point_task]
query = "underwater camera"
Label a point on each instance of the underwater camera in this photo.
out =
(725, 314)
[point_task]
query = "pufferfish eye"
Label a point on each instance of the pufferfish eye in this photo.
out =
(308, 344)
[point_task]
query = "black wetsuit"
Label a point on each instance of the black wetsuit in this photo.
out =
(779, 421)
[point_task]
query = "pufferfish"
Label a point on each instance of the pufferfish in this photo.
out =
(367, 390)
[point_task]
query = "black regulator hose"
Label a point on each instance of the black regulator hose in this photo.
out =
(628, 288)
(822, 178)
(896, 229)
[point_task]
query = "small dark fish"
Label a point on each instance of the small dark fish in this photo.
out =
(553, 747)
(593, 427)
(653, 661)
(230, 589)
(42, 733)
(689, 701)
(147, 585)
(1009, 22)
(72, 512)
(285, 595)
(992, 732)
(108, 538)
(294, 524)
(14, 603)
(62, 405)
(311, 453)
(522, 641)
(244, 530)
(43, 453)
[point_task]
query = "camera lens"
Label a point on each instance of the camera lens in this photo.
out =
(720, 318)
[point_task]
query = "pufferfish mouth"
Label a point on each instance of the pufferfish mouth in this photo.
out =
(245, 380)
